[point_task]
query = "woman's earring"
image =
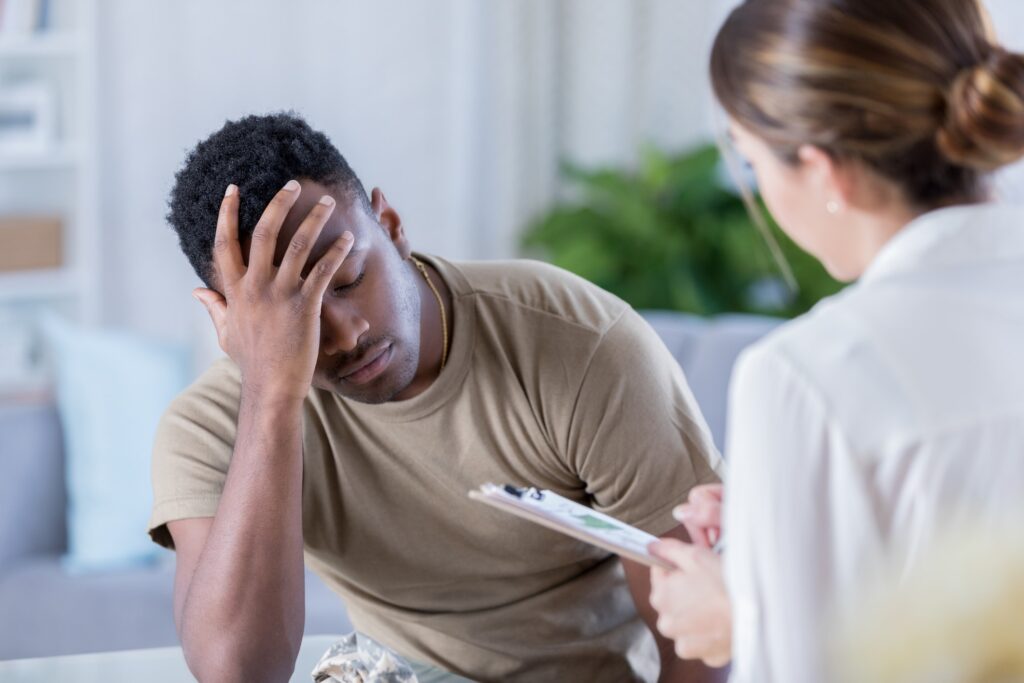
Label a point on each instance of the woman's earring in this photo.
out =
(832, 206)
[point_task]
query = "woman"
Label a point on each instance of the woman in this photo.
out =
(859, 430)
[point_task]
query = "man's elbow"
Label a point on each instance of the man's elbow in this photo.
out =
(227, 662)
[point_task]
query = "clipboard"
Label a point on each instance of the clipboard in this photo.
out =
(565, 516)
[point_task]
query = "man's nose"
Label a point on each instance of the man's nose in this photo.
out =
(340, 329)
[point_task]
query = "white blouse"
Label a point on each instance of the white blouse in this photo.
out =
(860, 429)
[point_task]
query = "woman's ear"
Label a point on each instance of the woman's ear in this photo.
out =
(390, 222)
(826, 176)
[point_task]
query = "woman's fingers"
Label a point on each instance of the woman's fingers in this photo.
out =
(702, 523)
(701, 515)
(708, 493)
(299, 249)
(677, 553)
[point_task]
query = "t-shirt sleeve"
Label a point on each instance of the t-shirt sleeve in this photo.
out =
(636, 436)
(192, 450)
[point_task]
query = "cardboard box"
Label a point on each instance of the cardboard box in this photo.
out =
(29, 242)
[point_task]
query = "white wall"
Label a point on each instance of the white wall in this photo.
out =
(459, 109)
(382, 79)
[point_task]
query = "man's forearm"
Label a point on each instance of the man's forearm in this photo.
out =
(245, 602)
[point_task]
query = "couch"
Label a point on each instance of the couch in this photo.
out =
(45, 611)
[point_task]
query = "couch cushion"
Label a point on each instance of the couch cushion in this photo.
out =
(710, 363)
(112, 388)
(31, 483)
(49, 612)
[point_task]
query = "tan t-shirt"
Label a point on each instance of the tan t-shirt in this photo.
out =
(551, 382)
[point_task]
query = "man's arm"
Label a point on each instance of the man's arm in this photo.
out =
(239, 583)
(673, 669)
(239, 586)
(638, 440)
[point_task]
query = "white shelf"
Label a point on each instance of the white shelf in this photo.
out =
(65, 57)
(62, 157)
(36, 285)
(43, 44)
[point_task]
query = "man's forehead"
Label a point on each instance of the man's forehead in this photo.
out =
(347, 215)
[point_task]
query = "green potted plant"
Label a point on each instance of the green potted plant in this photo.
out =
(672, 235)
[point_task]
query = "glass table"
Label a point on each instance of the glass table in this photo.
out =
(159, 665)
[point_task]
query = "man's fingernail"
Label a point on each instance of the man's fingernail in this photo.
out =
(681, 512)
(347, 236)
(327, 200)
(291, 185)
(232, 189)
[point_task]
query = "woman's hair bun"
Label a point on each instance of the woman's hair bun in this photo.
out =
(984, 122)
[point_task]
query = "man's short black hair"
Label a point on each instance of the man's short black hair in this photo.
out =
(259, 154)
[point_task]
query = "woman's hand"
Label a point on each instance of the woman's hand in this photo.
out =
(692, 602)
(268, 316)
(702, 515)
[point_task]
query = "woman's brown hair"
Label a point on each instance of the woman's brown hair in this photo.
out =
(916, 89)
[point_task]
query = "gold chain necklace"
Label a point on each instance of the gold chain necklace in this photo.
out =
(440, 304)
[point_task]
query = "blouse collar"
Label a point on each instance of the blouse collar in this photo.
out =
(952, 236)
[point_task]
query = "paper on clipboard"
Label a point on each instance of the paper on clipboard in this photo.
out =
(561, 514)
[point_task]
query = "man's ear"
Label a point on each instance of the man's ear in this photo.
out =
(390, 222)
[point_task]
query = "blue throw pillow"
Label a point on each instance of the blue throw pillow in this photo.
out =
(112, 388)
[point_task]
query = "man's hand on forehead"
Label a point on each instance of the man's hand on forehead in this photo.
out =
(268, 314)
(342, 219)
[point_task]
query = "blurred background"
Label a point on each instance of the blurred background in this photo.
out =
(580, 131)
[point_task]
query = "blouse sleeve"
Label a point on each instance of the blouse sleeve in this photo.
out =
(778, 520)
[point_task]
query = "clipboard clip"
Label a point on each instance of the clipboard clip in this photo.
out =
(531, 492)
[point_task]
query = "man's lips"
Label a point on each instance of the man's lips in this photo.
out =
(369, 366)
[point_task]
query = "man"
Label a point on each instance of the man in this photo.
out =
(367, 390)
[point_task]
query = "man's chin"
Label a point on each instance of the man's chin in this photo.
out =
(383, 389)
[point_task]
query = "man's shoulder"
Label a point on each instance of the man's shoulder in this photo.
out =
(210, 403)
(220, 383)
(540, 288)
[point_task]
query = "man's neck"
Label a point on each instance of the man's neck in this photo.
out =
(432, 345)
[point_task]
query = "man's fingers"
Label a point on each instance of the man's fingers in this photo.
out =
(303, 240)
(320, 276)
(227, 252)
(215, 306)
(263, 243)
